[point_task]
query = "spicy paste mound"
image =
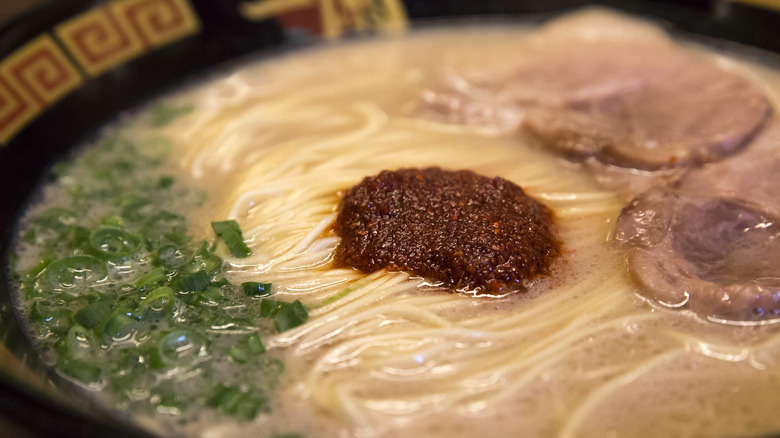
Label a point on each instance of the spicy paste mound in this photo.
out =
(463, 229)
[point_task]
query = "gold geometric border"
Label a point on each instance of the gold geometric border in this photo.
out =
(114, 32)
(157, 23)
(33, 77)
(98, 40)
(15, 111)
(44, 70)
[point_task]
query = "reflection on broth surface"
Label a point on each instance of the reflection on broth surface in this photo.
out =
(273, 145)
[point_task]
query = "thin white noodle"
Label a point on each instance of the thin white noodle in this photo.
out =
(385, 350)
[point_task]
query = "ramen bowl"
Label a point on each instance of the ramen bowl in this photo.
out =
(69, 68)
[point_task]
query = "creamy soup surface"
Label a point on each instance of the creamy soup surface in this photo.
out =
(275, 143)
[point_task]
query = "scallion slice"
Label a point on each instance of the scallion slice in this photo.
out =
(179, 348)
(112, 220)
(159, 301)
(196, 282)
(80, 370)
(79, 341)
(152, 277)
(57, 219)
(120, 326)
(290, 316)
(75, 271)
(112, 242)
(93, 313)
(232, 400)
(269, 308)
(230, 233)
(255, 289)
(165, 181)
(238, 354)
(254, 344)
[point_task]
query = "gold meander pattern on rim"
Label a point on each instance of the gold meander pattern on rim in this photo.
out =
(108, 35)
(98, 40)
(33, 77)
(158, 23)
(42, 71)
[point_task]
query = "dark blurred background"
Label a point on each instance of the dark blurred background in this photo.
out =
(12, 8)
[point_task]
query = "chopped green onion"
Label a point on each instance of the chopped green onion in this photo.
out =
(37, 269)
(139, 329)
(159, 301)
(204, 260)
(248, 407)
(255, 289)
(178, 238)
(251, 346)
(232, 400)
(165, 181)
(210, 297)
(344, 292)
(93, 314)
(79, 237)
(224, 397)
(170, 403)
(129, 301)
(112, 220)
(170, 256)
(30, 236)
(75, 271)
(167, 222)
(112, 241)
(57, 219)
(58, 321)
(197, 282)
(131, 208)
(120, 326)
(179, 348)
(238, 354)
(269, 308)
(285, 315)
(290, 316)
(40, 310)
(154, 276)
(222, 227)
(221, 282)
(230, 233)
(80, 370)
(254, 344)
(79, 341)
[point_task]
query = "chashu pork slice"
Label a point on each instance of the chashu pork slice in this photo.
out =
(592, 86)
(711, 244)
(698, 115)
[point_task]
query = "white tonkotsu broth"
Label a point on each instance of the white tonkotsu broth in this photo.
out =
(580, 355)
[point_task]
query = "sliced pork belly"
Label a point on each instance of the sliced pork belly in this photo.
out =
(562, 74)
(711, 243)
(714, 256)
(628, 98)
(698, 115)
(750, 175)
(580, 58)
